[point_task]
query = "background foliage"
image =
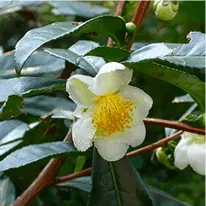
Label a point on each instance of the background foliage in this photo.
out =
(27, 119)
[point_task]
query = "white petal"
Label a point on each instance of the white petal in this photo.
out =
(143, 100)
(133, 136)
(196, 156)
(77, 87)
(181, 155)
(82, 133)
(78, 112)
(110, 150)
(111, 77)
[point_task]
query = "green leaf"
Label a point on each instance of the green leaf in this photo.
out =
(83, 46)
(107, 25)
(82, 9)
(184, 98)
(44, 105)
(20, 134)
(189, 83)
(27, 86)
(7, 191)
(190, 55)
(11, 108)
(34, 153)
(73, 58)
(75, 54)
(37, 64)
(109, 53)
(160, 198)
(82, 183)
(116, 183)
(12, 130)
(144, 61)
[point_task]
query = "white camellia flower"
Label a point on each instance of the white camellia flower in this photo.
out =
(110, 111)
(191, 151)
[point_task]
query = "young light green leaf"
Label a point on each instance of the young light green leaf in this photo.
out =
(7, 191)
(107, 25)
(34, 153)
(109, 53)
(27, 86)
(116, 183)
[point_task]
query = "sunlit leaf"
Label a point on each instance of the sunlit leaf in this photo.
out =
(34, 153)
(108, 25)
(27, 86)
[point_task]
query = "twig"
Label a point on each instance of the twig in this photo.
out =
(119, 11)
(160, 143)
(72, 176)
(43, 180)
(139, 17)
(173, 125)
(147, 148)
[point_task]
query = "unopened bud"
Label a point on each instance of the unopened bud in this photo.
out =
(131, 28)
(165, 10)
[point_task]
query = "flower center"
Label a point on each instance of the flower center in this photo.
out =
(112, 113)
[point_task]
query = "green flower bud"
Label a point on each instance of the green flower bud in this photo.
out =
(165, 158)
(131, 28)
(165, 10)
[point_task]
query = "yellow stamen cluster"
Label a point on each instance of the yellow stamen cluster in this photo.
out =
(112, 113)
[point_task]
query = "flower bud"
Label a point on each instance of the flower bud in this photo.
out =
(165, 10)
(131, 28)
(165, 158)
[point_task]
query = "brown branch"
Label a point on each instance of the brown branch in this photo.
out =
(44, 179)
(160, 143)
(147, 148)
(174, 125)
(119, 11)
(72, 176)
(138, 18)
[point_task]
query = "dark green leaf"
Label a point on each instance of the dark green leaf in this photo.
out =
(116, 183)
(27, 86)
(38, 63)
(161, 198)
(12, 130)
(82, 9)
(82, 183)
(75, 56)
(185, 81)
(11, 108)
(108, 25)
(110, 53)
(34, 153)
(7, 191)
(43, 105)
(82, 47)
(189, 83)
